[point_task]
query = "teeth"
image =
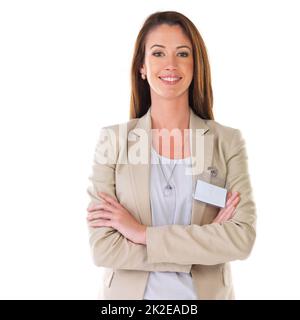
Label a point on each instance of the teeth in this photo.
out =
(170, 79)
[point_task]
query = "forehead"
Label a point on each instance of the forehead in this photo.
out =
(168, 36)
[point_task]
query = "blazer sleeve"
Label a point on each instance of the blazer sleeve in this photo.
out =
(109, 248)
(217, 242)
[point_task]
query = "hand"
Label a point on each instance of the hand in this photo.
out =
(112, 214)
(228, 212)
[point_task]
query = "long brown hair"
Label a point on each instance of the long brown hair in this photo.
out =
(200, 91)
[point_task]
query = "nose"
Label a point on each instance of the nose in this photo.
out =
(171, 63)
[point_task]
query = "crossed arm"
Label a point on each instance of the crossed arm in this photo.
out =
(119, 241)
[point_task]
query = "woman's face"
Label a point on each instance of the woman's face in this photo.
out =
(168, 62)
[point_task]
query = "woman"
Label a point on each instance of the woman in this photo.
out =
(154, 238)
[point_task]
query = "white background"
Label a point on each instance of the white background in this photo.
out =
(64, 73)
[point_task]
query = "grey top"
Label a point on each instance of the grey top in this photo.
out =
(166, 210)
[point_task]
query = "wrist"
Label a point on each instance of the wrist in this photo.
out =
(143, 234)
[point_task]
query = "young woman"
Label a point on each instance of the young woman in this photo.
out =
(148, 229)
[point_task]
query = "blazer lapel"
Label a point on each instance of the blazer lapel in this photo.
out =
(201, 152)
(202, 156)
(140, 172)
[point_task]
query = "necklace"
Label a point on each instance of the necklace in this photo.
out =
(168, 188)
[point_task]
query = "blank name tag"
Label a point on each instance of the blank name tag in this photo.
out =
(210, 193)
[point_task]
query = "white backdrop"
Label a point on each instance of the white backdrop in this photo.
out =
(64, 73)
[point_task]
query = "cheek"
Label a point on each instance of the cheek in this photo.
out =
(189, 67)
(189, 73)
(154, 67)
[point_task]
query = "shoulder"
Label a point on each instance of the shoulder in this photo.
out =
(221, 130)
(228, 139)
(117, 131)
(127, 125)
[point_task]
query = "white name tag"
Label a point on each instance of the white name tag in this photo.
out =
(210, 193)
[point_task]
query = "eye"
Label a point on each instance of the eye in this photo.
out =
(182, 54)
(185, 54)
(155, 53)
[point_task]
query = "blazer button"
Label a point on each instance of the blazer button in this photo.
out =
(213, 171)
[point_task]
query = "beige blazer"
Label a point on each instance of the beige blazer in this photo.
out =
(202, 248)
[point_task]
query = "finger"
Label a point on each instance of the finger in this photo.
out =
(93, 205)
(220, 214)
(232, 198)
(224, 213)
(227, 211)
(224, 210)
(105, 206)
(109, 199)
(229, 194)
(227, 214)
(233, 204)
(236, 201)
(100, 223)
(99, 214)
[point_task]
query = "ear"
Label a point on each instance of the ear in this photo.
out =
(143, 69)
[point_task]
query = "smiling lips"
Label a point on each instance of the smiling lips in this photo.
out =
(170, 79)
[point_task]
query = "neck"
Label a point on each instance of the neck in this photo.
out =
(170, 115)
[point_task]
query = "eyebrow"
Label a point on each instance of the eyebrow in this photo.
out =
(161, 46)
